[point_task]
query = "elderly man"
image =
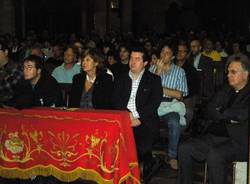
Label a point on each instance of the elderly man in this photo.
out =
(226, 135)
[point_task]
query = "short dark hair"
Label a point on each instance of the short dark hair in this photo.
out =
(196, 40)
(169, 45)
(126, 47)
(35, 59)
(71, 47)
(183, 45)
(145, 57)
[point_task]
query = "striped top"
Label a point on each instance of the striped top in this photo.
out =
(175, 79)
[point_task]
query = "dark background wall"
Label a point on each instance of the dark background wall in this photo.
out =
(84, 16)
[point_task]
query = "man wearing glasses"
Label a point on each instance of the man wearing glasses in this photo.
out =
(225, 139)
(37, 87)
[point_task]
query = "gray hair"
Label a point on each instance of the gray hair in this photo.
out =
(245, 63)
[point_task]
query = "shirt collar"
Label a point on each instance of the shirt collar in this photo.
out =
(139, 77)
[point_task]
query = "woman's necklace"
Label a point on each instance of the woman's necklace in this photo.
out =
(90, 80)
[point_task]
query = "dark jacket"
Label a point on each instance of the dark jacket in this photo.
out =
(46, 92)
(192, 79)
(205, 74)
(148, 97)
(102, 91)
(222, 109)
(118, 69)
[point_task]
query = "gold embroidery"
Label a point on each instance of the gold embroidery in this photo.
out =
(36, 136)
(14, 144)
(63, 147)
(60, 118)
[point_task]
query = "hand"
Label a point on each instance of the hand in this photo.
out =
(136, 122)
(131, 116)
(159, 63)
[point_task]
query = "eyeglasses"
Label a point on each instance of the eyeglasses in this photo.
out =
(29, 67)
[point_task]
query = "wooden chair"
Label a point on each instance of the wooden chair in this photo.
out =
(239, 175)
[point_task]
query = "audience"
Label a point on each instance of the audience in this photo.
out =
(10, 74)
(237, 52)
(203, 66)
(191, 80)
(37, 88)
(92, 88)
(122, 65)
(140, 92)
(210, 52)
(174, 83)
(65, 72)
(226, 137)
(220, 49)
(56, 59)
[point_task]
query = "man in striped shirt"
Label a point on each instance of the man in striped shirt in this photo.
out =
(174, 85)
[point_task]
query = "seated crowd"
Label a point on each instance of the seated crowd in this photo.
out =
(164, 80)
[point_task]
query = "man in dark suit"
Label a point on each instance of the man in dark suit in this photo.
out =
(140, 92)
(204, 67)
(226, 137)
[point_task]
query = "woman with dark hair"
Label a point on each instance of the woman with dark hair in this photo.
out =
(92, 88)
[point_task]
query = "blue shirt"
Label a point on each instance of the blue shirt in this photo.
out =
(65, 76)
(174, 78)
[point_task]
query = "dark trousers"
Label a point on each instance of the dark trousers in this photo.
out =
(218, 152)
(144, 140)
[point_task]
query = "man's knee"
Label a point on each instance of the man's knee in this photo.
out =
(172, 119)
(215, 158)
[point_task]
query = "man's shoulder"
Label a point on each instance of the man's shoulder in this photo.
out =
(122, 76)
(76, 66)
(151, 75)
(79, 75)
(176, 69)
(105, 75)
(204, 58)
(47, 79)
(151, 78)
(57, 69)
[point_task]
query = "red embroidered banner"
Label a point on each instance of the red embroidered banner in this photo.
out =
(92, 145)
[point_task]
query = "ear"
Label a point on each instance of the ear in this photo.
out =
(145, 63)
(39, 71)
(246, 75)
(6, 52)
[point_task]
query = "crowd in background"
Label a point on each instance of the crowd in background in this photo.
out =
(74, 71)
(218, 46)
